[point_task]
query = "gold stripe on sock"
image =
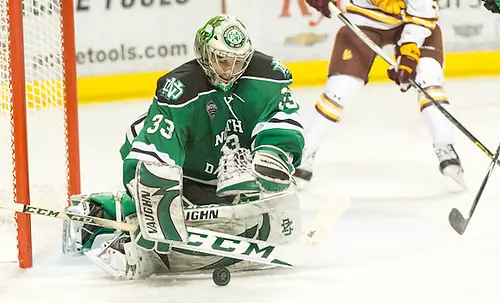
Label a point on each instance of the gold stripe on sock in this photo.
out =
(326, 113)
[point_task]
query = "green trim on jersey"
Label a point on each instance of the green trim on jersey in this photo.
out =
(190, 123)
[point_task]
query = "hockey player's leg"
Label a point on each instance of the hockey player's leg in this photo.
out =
(195, 193)
(80, 237)
(431, 77)
(430, 73)
(157, 192)
(275, 219)
(143, 253)
(350, 63)
(130, 256)
(339, 90)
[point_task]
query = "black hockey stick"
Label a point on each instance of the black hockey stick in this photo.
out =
(376, 49)
(457, 220)
(211, 242)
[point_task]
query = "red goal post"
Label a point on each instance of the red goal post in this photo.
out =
(39, 98)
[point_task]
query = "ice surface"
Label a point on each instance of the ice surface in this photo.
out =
(393, 245)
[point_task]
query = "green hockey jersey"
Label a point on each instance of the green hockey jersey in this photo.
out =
(190, 123)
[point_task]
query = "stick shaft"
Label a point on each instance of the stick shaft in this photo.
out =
(221, 244)
(376, 49)
(485, 180)
(30, 209)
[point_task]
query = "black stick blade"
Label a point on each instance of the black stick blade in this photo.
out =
(457, 221)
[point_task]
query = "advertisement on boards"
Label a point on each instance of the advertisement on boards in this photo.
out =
(467, 26)
(139, 36)
(133, 36)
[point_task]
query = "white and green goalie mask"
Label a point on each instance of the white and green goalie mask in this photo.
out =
(224, 50)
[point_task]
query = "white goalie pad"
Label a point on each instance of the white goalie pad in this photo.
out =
(275, 219)
(157, 192)
(121, 258)
(250, 243)
(243, 208)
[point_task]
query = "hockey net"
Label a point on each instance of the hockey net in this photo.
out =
(46, 89)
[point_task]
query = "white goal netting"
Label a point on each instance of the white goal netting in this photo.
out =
(46, 125)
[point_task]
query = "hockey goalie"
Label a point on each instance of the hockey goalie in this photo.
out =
(216, 150)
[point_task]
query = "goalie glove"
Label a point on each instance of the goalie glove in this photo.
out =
(234, 175)
(272, 168)
(240, 172)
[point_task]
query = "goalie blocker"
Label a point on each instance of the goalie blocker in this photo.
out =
(163, 215)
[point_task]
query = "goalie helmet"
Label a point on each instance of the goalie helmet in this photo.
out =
(224, 50)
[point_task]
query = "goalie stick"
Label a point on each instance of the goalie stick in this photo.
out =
(377, 50)
(457, 220)
(220, 244)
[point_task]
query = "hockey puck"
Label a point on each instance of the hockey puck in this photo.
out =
(221, 276)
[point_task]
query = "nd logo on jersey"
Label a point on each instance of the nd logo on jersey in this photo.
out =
(173, 89)
(277, 65)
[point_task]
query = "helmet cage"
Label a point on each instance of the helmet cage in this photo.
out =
(227, 77)
(223, 39)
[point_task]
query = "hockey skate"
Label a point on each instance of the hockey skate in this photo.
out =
(76, 234)
(121, 258)
(449, 164)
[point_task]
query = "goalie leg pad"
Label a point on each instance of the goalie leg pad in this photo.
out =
(158, 197)
(275, 219)
(78, 237)
(110, 257)
(121, 257)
